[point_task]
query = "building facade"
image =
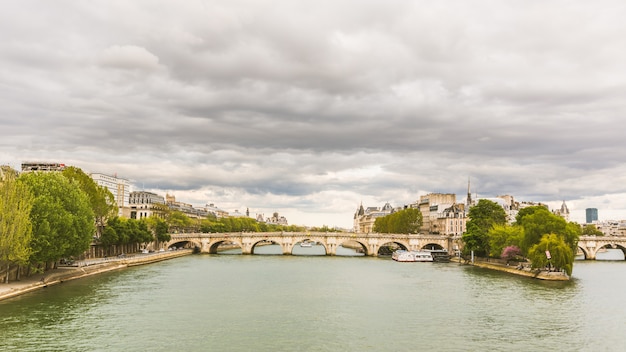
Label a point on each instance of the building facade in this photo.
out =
(364, 218)
(143, 204)
(185, 208)
(119, 187)
(591, 215)
(432, 207)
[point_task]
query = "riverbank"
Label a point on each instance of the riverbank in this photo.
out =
(526, 271)
(86, 268)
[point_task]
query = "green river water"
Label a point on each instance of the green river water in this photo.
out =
(307, 303)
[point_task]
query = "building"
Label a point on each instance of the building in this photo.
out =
(119, 187)
(591, 215)
(563, 211)
(186, 208)
(212, 209)
(612, 227)
(364, 218)
(432, 206)
(451, 221)
(274, 220)
(143, 204)
(30, 166)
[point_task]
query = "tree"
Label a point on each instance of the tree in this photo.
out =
(16, 203)
(404, 221)
(538, 221)
(561, 255)
(101, 199)
(510, 253)
(503, 236)
(591, 230)
(482, 218)
(178, 221)
(159, 228)
(62, 218)
(381, 224)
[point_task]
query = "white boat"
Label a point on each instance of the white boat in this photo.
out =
(411, 256)
(306, 244)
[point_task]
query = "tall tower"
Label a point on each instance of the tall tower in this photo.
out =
(591, 215)
(469, 194)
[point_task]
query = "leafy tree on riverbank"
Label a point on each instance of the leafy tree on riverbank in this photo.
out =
(502, 236)
(159, 228)
(16, 203)
(101, 199)
(562, 255)
(61, 216)
(482, 218)
(538, 221)
(121, 231)
(404, 221)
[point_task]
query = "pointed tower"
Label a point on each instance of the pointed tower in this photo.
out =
(469, 194)
(564, 211)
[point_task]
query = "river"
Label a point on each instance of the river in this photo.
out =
(311, 303)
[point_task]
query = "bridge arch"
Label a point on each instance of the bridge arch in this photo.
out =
(263, 242)
(435, 246)
(224, 242)
(389, 247)
(356, 245)
(610, 245)
(584, 251)
(182, 243)
(304, 243)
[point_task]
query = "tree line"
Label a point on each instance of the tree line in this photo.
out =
(45, 216)
(404, 221)
(48, 216)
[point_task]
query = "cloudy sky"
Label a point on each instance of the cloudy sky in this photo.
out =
(309, 108)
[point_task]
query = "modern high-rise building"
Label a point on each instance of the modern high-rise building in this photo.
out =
(591, 215)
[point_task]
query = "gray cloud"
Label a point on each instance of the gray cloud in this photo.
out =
(310, 108)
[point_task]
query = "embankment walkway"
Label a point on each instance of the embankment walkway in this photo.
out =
(82, 269)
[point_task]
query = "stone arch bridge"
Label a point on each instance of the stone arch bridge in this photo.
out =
(592, 245)
(370, 242)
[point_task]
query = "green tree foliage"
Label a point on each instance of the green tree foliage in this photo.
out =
(159, 228)
(381, 225)
(502, 236)
(591, 230)
(404, 221)
(16, 203)
(324, 228)
(562, 255)
(482, 218)
(538, 221)
(120, 231)
(179, 222)
(101, 200)
(62, 218)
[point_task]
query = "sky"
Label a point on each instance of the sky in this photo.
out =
(311, 108)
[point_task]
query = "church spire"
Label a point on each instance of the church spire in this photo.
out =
(469, 193)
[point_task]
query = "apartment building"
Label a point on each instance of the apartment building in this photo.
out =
(119, 187)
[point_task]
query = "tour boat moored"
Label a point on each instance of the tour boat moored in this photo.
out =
(411, 256)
